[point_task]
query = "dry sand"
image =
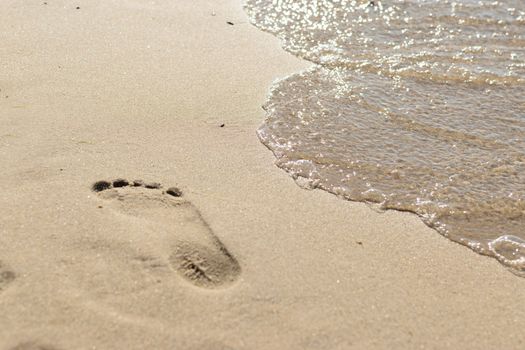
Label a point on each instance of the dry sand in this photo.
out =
(245, 259)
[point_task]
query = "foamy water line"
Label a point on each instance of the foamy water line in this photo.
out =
(417, 106)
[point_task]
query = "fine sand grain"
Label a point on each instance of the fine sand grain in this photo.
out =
(237, 256)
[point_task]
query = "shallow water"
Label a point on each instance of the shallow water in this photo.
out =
(417, 105)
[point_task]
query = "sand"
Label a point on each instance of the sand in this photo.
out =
(244, 259)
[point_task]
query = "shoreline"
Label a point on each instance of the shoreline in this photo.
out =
(135, 90)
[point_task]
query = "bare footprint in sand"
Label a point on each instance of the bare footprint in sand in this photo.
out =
(194, 251)
(7, 276)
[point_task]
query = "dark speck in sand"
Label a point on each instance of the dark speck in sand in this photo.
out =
(138, 183)
(120, 183)
(152, 185)
(230, 23)
(360, 243)
(101, 186)
(222, 125)
(78, 7)
(174, 191)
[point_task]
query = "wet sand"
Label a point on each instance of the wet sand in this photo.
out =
(244, 259)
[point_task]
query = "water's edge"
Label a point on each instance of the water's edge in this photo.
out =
(508, 249)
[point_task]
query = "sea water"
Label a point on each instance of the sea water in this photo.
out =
(416, 105)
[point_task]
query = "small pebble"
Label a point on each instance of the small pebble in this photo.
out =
(230, 23)
(222, 125)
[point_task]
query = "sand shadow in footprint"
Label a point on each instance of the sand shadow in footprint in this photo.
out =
(33, 346)
(194, 250)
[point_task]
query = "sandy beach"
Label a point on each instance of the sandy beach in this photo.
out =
(170, 93)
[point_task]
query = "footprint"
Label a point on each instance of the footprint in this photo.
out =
(6, 276)
(194, 251)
